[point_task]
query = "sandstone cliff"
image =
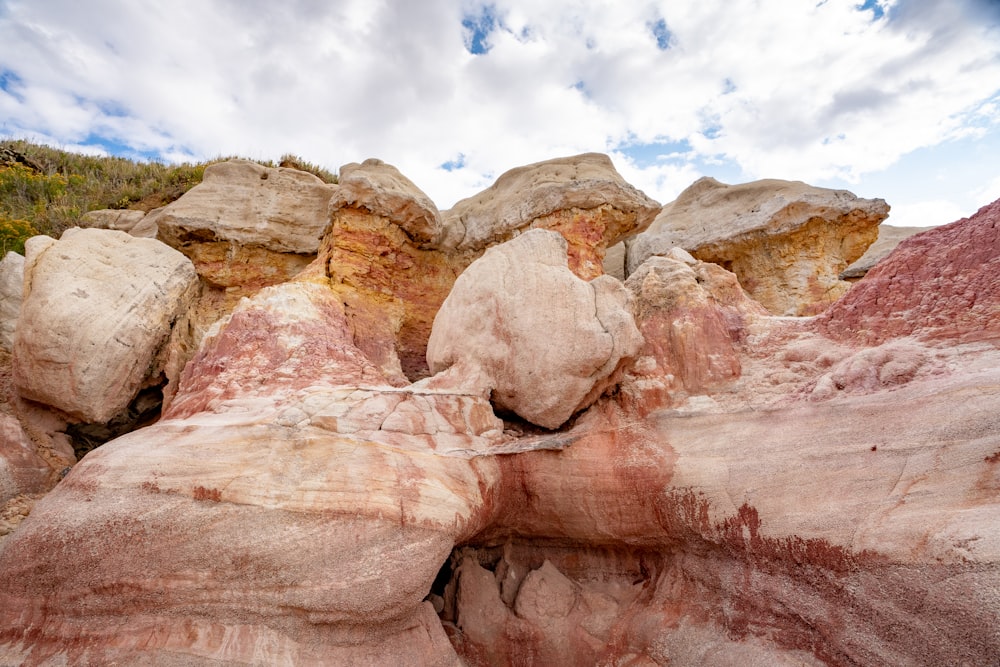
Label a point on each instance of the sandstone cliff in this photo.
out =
(447, 438)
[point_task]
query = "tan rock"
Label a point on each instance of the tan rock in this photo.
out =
(379, 255)
(121, 219)
(246, 225)
(98, 306)
(786, 241)
(582, 197)
(888, 238)
(11, 288)
(542, 342)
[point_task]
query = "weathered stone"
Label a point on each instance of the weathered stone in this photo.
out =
(524, 328)
(943, 283)
(246, 225)
(582, 197)
(693, 317)
(786, 241)
(22, 471)
(379, 257)
(316, 499)
(98, 306)
(888, 238)
(122, 220)
(11, 288)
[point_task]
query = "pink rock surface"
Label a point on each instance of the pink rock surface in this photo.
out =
(941, 284)
(757, 490)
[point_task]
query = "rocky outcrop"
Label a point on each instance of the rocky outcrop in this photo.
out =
(123, 220)
(380, 254)
(694, 318)
(732, 488)
(888, 238)
(786, 241)
(98, 308)
(488, 330)
(11, 287)
(22, 470)
(247, 226)
(941, 284)
(581, 197)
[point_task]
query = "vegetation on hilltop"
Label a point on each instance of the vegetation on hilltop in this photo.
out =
(45, 190)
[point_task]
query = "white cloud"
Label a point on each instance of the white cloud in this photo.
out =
(810, 91)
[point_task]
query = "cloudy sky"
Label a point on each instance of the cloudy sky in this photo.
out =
(897, 99)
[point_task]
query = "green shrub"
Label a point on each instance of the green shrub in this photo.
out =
(13, 234)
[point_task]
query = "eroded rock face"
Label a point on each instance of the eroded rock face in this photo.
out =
(581, 197)
(944, 283)
(888, 238)
(694, 317)
(309, 470)
(11, 288)
(380, 255)
(98, 307)
(542, 342)
(246, 225)
(754, 490)
(786, 241)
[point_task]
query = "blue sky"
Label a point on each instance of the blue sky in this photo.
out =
(897, 99)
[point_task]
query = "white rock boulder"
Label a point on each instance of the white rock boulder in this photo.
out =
(98, 306)
(542, 341)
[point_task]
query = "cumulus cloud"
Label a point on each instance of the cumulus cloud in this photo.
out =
(454, 92)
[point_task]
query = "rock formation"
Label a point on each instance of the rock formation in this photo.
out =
(888, 238)
(649, 473)
(583, 198)
(99, 306)
(786, 241)
(487, 330)
(11, 287)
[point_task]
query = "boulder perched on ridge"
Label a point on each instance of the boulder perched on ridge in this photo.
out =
(582, 197)
(542, 341)
(786, 241)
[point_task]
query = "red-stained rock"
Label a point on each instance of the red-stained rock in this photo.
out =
(943, 284)
(693, 316)
(757, 490)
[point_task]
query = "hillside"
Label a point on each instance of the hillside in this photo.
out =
(45, 190)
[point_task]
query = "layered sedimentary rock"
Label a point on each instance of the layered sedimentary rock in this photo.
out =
(581, 197)
(488, 331)
(739, 488)
(99, 305)
(380, 254)
(11, 288)
(944, 283)
(247, 226)
(786, 241)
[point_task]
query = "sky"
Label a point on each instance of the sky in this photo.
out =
(898, 99)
